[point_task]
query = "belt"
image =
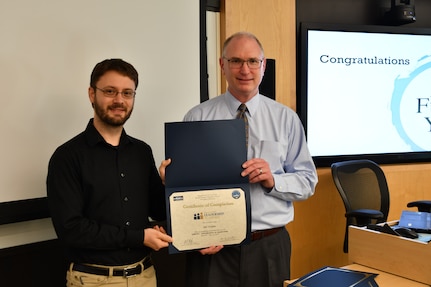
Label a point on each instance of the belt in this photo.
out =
(259, 234)
(105, 271)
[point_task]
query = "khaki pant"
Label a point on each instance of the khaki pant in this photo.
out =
(147, 278)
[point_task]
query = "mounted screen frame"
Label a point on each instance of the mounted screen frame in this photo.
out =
(322, 87)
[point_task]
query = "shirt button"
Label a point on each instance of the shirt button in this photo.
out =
(126, 199)
(127, 223)
(122, 174)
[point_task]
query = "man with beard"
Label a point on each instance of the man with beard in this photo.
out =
(103, 187)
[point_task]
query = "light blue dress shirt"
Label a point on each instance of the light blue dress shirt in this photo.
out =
(276, 134)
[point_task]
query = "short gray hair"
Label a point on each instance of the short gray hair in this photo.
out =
(241, 35)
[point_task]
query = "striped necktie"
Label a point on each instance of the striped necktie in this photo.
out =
(242, 109)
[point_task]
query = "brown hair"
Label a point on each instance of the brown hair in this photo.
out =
(116, 65)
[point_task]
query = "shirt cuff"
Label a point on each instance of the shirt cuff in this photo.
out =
(278, 184)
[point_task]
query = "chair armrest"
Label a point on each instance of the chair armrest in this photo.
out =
(422, 205)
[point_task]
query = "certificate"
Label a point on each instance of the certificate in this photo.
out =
(208, 217)
(207, 199)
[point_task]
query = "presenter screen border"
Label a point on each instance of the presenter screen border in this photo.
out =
(302, 92)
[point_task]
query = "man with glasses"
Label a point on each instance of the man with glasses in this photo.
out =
(103, 186)
(279, 167)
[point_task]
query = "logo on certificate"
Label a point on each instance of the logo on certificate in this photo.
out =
(178, 197)
(236, 194)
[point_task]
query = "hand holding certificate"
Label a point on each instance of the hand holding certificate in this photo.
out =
(207, 198)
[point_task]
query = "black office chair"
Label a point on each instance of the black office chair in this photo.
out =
(363, 188)
(422, 205)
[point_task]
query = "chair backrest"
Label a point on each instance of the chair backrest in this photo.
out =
(362, 185)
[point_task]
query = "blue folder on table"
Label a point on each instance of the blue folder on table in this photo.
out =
(416, 220)
(206, 155)
(336, 277)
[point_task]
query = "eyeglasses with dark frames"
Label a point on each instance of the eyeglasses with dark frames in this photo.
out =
(112, 93)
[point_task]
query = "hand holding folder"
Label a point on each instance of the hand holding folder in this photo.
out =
(207, 198)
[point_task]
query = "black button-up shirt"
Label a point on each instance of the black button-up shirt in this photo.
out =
(101, 197)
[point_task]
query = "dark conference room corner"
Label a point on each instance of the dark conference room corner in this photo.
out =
(313, 246)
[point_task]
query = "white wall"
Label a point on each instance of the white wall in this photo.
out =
(213, 53)
(48, 49)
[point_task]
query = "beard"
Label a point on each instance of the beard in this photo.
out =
(105, 117)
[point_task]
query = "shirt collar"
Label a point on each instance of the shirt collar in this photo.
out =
(233, 104)
(94, 137)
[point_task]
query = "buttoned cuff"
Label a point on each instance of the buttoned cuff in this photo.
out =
(278, 183)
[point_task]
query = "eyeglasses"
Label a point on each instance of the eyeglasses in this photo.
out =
(252, 63)
(112, 93)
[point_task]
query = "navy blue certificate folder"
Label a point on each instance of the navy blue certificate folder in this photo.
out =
(336, 277)
(206, 155)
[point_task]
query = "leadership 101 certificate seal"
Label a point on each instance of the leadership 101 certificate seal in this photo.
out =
(204, 218)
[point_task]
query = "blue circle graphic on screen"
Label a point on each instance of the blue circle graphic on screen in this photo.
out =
(411, 106)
